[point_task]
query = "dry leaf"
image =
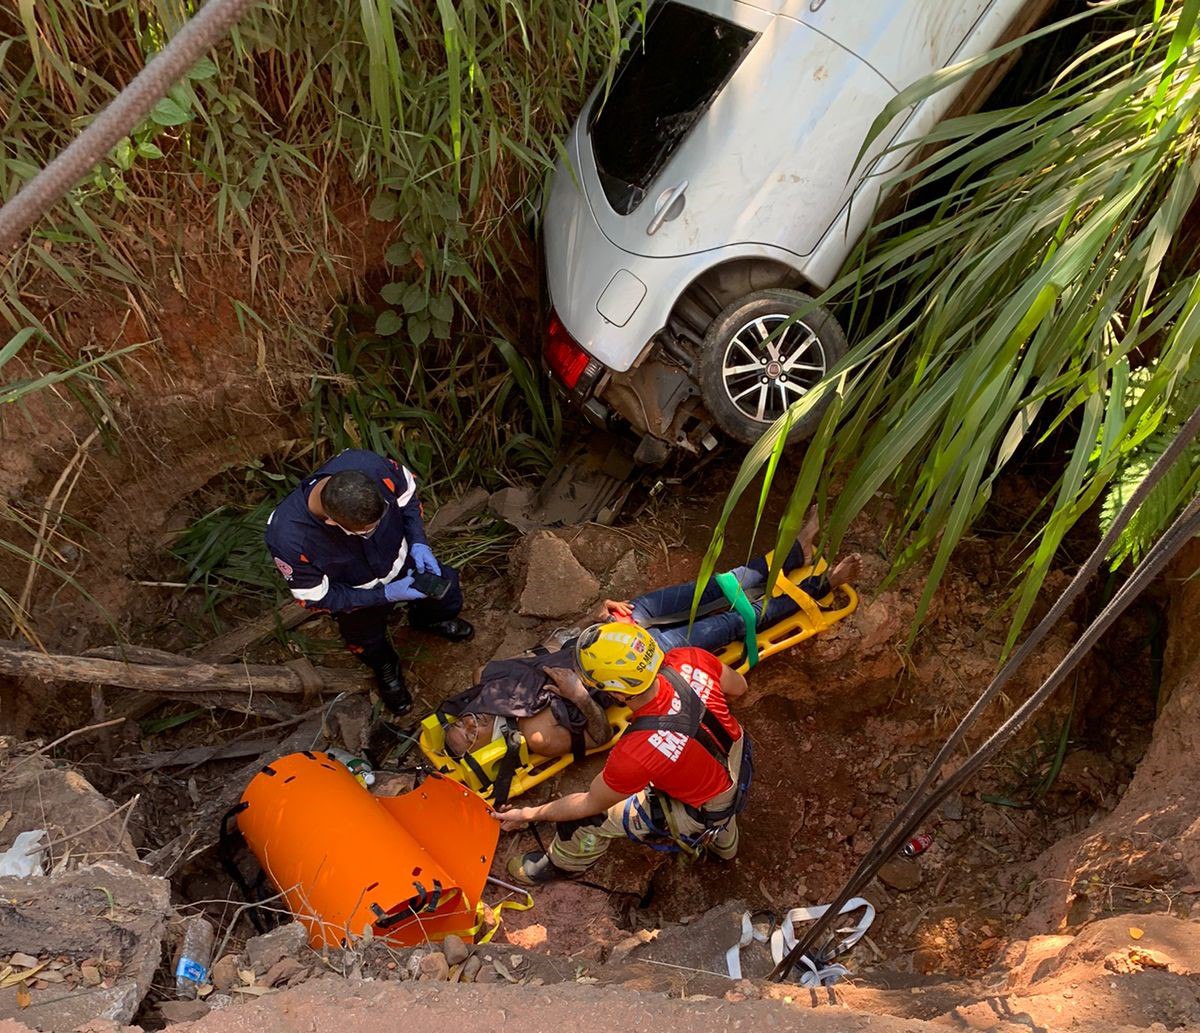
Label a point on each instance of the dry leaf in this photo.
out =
(1135, 933)
(19, 977)
(24, 998)
(4, 819)
(498, 965)
(254, 991)
(246, 975)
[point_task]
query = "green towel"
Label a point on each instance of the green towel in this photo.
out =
(728, 583)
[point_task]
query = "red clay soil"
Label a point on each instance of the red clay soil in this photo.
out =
(843, 726)
(200, 394)
(1145, 854)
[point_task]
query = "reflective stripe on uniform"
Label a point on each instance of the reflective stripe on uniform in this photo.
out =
(410, 487)
(392, 574)
(314, 594)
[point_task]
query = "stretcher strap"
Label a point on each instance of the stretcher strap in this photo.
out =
(487, 915)
(821, 971)
(728, 583)
(507, 767)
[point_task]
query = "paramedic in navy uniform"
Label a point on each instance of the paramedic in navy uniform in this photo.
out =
(348, 541)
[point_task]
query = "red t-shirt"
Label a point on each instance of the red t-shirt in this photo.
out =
(679, 766)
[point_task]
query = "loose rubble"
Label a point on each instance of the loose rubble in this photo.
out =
(80, 945)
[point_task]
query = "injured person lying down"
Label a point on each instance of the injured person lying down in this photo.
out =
(540, 695)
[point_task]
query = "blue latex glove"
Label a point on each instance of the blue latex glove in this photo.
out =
(402, 591)
(424, 559)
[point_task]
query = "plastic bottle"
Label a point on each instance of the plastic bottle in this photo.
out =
(917, 845)
(194, 957)
(359, 768)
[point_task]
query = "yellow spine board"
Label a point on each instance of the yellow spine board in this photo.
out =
(811, 619)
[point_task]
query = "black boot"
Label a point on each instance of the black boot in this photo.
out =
(392, 690)
(453, 628)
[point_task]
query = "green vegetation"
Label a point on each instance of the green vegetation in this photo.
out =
(443, 118)
(1041, 286)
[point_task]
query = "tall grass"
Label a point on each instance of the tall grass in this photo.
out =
(444, 117)
(447, 115)
(1039, 286)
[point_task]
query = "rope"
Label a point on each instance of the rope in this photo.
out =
(922, 801)
(118, 119)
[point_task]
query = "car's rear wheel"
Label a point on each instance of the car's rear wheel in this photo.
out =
(752, 366)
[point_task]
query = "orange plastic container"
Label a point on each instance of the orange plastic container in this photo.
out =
(411, 868)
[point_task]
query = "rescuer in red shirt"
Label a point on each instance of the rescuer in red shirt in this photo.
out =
(679, 775)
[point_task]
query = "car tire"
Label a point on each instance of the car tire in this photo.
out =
(740, 380)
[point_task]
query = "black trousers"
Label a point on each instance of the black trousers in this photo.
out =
(366, 630)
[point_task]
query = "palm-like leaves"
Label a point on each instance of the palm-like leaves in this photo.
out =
(1017, 296)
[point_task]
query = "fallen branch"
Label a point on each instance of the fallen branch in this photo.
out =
(233, 644)
(184, 680)
(192, 756)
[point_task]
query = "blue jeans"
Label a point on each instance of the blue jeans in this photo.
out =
(718, 630)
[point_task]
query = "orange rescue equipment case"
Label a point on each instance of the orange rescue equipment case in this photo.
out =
(411, 868)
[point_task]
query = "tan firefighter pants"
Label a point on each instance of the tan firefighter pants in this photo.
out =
(588, 843)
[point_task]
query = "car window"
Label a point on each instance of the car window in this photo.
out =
(663, 86)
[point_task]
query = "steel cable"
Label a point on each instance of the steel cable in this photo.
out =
(918, 804)
(118, 119)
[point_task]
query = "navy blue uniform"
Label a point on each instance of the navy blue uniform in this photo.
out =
(333, 571)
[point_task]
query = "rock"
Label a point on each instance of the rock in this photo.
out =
(100, 910)
(470, 969)
(455, 950)
(412, 968)
(350, 723)
(218, 1001)
(702, 944)
(926, 960)
(488, 974)
(901, 873)
(91, 975)
(183, 1011)
(515, 642)
(952, 808)
(457, 511)
(271, 948)
(224, 974)
(514, 506)
(64, 803)
(625, 581)
(434, 967)
(598, 548)
(554, 585)
(286, 970)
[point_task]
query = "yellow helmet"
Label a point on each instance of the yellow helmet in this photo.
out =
(618, 657)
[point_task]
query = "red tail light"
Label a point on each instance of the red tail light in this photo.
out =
(566, 359)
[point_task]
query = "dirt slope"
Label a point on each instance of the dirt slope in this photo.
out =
(1146, 852)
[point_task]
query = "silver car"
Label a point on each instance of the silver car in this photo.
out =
(714, 189)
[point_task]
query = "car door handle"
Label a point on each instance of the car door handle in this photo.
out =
(672, 199)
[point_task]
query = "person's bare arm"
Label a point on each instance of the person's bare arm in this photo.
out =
(598, 799)
(613, 609)
(733, 684)
(568, 685)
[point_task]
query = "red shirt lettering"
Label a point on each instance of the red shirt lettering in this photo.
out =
(670, 761)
